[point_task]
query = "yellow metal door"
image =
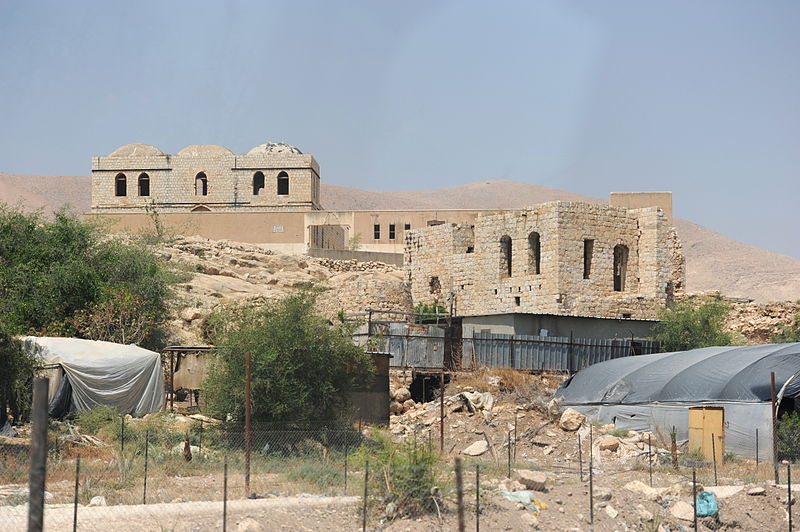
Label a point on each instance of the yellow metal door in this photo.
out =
(707, 425)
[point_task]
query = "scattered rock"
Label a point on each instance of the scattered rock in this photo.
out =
(722, 492)
(395, 408)
(532, 480)
(643, 513)
(510, 485)
(476, 449)
(757, 491)
(191, 314)
(602, 495)
(609, 443)
(530, 519)
(682, 510)
(402, 395)
(409, 404)
(652, 494)
(611, 512)
(98, 500)
(571, 420)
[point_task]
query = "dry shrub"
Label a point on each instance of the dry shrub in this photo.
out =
(515, 386)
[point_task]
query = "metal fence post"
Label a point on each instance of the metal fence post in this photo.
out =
(345, 469)
(650, 456)
(122, 434)
(477, 497)
(248, 436)
(38, 464)
(591, 478)
(580, 459)
(75, 500)
(694, 496)
(146, 449)
(366, 482)
(459, 495)
(789, 492)
(509, 454)
(714, 455)
(441, 412)
(225, 494)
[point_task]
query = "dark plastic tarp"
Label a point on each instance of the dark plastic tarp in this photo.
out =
(738, 374)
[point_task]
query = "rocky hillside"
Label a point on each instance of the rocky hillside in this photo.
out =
(224, 272)
(714, 262)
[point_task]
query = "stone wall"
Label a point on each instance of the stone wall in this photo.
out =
(230, 181)
(468, 262)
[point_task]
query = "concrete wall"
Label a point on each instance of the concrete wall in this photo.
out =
(580, 327)
(640, 200)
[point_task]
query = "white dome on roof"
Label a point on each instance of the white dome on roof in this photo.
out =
(204, 150)
(136, 149)
(274, 147)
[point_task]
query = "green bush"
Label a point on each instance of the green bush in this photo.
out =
(98, 418)
(693, 323)
(303, 368)
(789, 332)
(402, 472)
(788, 433)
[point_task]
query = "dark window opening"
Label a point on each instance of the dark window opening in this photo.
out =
(435, 285)
(377, 231)
(470, 249)
(121, 185)
(431, 223)
(144, 184)
(505, 256)
(283, 184)
(626, 315)
(534, 254)
(588, 249)
(620, 267)
(517, 300)
(391, 232)
(258, 183)
(201, 184)
(407, 227)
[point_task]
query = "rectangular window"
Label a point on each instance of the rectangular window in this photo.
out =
(391, 232)
(377, 229)
(407, 227)
(588, 249)
(517, 300)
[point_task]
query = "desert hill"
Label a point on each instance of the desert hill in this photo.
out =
(713, 261)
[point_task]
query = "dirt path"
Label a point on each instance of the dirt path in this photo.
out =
(290, 513)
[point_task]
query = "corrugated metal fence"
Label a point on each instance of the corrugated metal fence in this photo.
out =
(424, 346)
(547, 352)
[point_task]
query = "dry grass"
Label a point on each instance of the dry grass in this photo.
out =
(519, 387)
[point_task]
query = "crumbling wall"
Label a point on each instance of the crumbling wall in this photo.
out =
(469, 263)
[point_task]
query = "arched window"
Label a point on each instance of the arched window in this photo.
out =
(144, 184)
(534, 254)
(201, 184)
(121, 185)
(620, 267)
(258, 183)
(283, 184)
(505, 256)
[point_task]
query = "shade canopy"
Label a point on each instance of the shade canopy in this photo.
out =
(712, 374)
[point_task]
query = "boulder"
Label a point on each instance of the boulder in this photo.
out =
(758, 491)
(643, 513)
(682, 510)
(401, 395)
(476, 449)
(608, 443)
(395, 408)
(571, 420)
(98, 500)
(611, 512)
(532, 480)
(637, 486)
(602, 495)
(409, 404)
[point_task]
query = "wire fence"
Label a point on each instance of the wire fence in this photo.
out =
(137, 471)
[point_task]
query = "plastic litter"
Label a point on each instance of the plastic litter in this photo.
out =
(527, 498)
(707, 504)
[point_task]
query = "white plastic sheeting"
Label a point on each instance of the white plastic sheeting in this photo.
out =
(126, 377)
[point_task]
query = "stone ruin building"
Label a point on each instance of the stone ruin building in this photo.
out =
(557, 258)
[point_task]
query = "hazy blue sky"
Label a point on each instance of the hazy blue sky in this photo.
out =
(700, 98)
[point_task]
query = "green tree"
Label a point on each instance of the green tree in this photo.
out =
(62, 276)
(789, 332)
(302, 367)
(693, 323)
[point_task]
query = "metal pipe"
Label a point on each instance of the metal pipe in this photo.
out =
(248, 436)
